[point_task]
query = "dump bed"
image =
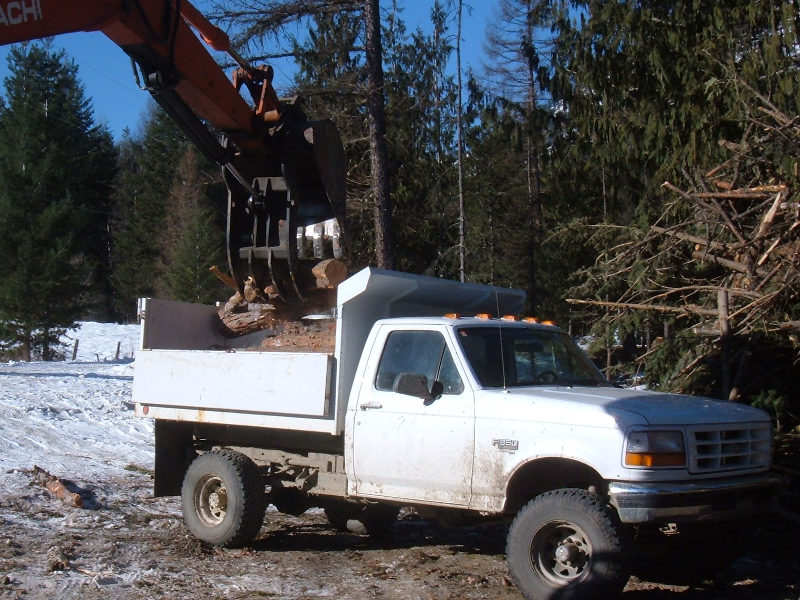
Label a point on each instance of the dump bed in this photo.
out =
(186, 370)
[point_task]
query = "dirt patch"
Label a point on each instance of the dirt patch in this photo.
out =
(129, 545)
(313, 335)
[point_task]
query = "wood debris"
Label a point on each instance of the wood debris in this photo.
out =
(300, 325)
(57, 487)
(302, 336)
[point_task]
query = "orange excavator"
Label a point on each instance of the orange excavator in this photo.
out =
(284, 172)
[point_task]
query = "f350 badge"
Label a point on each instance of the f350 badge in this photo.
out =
(506, 444)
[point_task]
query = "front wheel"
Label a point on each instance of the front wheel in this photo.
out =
(223, 499)
(567, 544)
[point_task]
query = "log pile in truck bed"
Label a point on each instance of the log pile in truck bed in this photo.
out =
(293, 327)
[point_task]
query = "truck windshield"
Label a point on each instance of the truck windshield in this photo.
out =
(523, 356)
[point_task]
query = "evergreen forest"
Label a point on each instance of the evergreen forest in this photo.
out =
(634, 166)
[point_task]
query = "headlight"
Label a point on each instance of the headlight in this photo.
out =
(655, 449)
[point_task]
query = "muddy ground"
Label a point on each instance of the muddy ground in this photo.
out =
(123, 543)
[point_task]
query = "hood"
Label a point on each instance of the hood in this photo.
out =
(654, 408)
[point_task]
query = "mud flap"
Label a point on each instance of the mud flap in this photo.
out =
(173, 454)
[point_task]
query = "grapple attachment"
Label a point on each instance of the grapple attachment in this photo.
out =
(291, 219)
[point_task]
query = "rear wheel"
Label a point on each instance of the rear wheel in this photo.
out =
(567, 544)
(223, 499)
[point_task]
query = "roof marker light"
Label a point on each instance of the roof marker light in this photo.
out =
(550, 323)
(509, 318)
(452, 316)
(483, 316)
(531, 320)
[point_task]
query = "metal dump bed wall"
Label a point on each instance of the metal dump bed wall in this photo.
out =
(187, 371)
(217, 381)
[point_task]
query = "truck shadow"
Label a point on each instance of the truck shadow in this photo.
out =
(766, 571)
(304, 535)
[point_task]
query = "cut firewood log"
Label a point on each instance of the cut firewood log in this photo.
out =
(56, 487)
(241, 323)
(330, 273)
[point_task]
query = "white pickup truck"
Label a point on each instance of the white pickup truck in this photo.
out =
(461, 418)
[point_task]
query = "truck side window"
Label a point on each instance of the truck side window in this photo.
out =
(418, 352)
(448, 374)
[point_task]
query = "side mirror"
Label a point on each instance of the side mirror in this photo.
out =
(414, 384)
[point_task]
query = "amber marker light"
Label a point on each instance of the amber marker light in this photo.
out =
(651, 449)
(483, 316)
(509, 318)
(655, 460)
(452, 316)
(531, 320)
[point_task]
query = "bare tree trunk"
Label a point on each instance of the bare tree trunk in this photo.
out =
(462, 220)
(536, 211)
(26, 347)
(384, 248)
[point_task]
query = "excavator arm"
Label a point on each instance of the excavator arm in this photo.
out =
(283, 171)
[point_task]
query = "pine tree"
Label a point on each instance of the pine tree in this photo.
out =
(518, 56)
(56, 166)
(421, 134)
(147, 169)
(495, 184)
(193, 237)
(648, 93)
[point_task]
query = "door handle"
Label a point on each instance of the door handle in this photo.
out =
(369, 405)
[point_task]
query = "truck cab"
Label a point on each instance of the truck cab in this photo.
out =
(464, 409)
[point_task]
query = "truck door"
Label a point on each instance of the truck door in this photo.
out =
(406, 447)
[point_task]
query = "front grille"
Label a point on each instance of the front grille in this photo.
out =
(717, 448)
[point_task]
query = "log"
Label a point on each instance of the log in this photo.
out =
(329, 273)
(724, 262)
(686, 309)
(57, 487)
(241, 323)
(692, 238)
(224, 277)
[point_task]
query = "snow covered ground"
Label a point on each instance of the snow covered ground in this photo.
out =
(75, 417)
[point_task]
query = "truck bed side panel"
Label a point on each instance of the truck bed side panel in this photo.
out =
(266, 383)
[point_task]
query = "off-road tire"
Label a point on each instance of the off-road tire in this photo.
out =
(567, 544)
(223, 499)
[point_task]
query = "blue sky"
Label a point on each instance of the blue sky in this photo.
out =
(106, 71)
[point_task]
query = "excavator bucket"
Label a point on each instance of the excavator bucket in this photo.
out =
(292, 222)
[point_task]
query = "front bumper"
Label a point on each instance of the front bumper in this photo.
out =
(682, 502)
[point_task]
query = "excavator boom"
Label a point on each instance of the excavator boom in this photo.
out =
(283, 171)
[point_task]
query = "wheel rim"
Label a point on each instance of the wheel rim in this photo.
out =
(211, 500)
(560, 552)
